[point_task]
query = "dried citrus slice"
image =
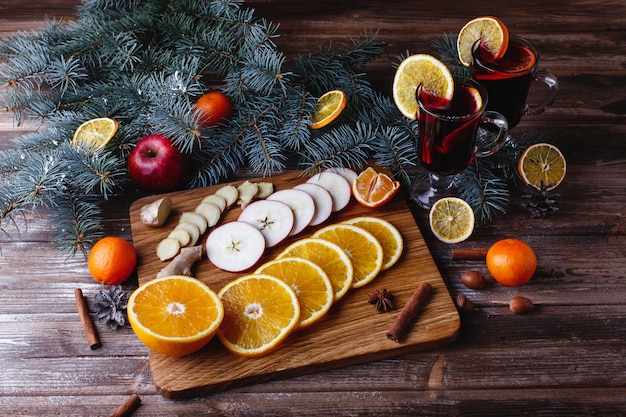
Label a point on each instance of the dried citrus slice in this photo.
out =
(260, 311)
(364, 250)
(387, 235)
(451, 219)
(490, 31)
(374, 189)
(333, 260)
(94, 134)
(175, 315)
(309, 282)
(542, 165)
(329, 106)
(424, 70)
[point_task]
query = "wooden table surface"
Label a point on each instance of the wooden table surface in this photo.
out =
(566, 358)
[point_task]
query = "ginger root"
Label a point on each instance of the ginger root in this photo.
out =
(183, 262)
(156, 213)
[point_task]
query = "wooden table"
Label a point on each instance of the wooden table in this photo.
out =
(566, 358)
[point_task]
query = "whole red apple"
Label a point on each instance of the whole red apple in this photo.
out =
(155, 164)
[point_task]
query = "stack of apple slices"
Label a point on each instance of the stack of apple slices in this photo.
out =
(235, 246)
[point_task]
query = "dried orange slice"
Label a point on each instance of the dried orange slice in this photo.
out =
(424, 70)
(364, 250)
(542, 165)
(309, 282)
(373, 189)
(260, 311)
(386, 233)
(329, 106)
(333, 260)
(451, 219)
(490, 31)
(175, 315)
(94, 134)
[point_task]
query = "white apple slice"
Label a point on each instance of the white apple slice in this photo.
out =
(211, 213)
(323, 201)
(218, 200)
(235, 246)
(273, 218)
(347, 173)
(338, 187)
(302, 205)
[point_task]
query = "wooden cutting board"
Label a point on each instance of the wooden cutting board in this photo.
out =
(352, 332)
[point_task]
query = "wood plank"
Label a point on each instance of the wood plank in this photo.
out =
(352, 332)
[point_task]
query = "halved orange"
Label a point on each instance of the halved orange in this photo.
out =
(490, 31)
(542, 165)
(386, 233)
(94, 134)
(328, 107)
(174, 315)
(420, 70)
(333, 260)
(362, 247)
(373, 189)
(260, 311)
(309, 282)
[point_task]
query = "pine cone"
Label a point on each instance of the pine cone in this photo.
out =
(540, 203)
(111, 306)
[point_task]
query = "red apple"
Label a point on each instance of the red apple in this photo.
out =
(155, 164)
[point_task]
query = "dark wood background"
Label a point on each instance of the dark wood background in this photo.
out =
(564, 359)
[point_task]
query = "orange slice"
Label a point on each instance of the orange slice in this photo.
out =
(542, 165)
(490, 31)
(386, 233)
(374, 189)
(94, 134)
(424, 70)
(260, 311)
(362, 247)
(175, 315)
(331, 258)
(309, 282)
(329, 106)
(451, 220)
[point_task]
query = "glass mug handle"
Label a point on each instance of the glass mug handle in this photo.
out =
(552, 82)
(498, 120)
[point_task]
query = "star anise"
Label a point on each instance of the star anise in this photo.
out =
(382, 299)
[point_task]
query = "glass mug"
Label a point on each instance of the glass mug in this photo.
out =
(447, 136)
(508, 80)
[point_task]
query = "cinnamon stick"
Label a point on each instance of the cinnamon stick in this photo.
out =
(403, 322)
(469, 254)
(128, 407)
(88, 327)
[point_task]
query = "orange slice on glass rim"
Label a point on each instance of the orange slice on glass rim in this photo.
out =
(490, 31)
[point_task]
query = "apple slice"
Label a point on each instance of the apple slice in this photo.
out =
(273, 218)
(338, 187)
(347, 173)
(323, 201)
(302, 205)
(235, 246)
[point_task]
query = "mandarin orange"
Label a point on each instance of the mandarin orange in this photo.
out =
(214, 108)
(112, 260)
(374, 189)
(511, 262)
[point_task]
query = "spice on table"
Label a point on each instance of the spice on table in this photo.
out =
(469, 254)
(383, 299)
(402, 324)
(88, 327)
(128, 407)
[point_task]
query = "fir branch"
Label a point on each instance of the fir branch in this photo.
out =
(78, 224)
(483, 190)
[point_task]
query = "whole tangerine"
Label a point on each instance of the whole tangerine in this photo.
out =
(112, 260)
(511, 262)
(214, 108)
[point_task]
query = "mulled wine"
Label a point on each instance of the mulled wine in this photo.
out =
(508, 79)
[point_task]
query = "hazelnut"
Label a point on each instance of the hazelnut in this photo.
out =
(474, 280)
(521, 305)
(464, 304)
